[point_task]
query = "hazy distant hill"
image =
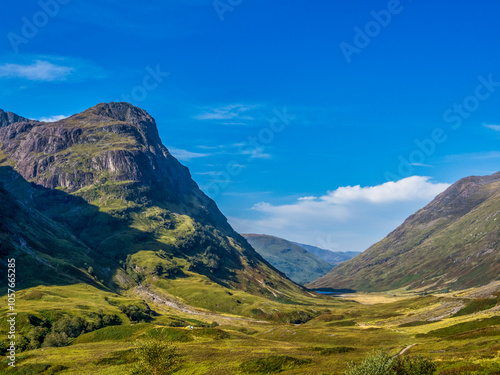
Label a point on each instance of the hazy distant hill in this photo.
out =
(293, 260)
(332, 257)
(454, 242)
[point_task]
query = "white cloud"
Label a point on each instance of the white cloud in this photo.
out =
(408, 189)
(351, 217)
(255, 153)
(493, 127)
(228, 112)
(185, 155)
(39, 70)
(421, 165)
(52, 118)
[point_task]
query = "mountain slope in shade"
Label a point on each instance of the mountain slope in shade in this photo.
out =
(454, 242)
(34, 248)
(104, 176)
(331, 257)
(293, 260)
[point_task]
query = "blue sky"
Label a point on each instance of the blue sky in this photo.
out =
(293, 115)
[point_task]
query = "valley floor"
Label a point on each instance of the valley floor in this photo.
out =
(460, 331)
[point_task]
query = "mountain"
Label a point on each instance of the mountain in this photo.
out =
(329, 256)
(102, 198)
(452, 243)
(293, 260)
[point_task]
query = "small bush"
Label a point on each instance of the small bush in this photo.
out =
(56, 339)
(414, 366)
(136, 313)
(375, 364)
(273, 364)
(382, 364)
(155, 357)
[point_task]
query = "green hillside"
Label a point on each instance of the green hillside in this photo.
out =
(105, 181)
(291, 259)
(452, 243)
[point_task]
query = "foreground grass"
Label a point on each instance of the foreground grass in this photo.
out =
(341, 332)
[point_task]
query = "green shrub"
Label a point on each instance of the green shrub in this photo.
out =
(155, 357)
(72, 327)
(375, 364)
(136, 313)
(382, 364)
(273, 364)
(56, 339)
(414, 366)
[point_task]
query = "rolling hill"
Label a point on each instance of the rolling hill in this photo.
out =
(452, 243)
(329, 256)
(294, 261)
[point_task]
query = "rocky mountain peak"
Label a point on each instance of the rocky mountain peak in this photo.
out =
(7, 118)
(120, 111)
(110, 141)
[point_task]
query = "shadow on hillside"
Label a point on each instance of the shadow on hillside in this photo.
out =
(103, 240)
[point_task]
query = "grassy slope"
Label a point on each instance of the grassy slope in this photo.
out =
(155, 232)
(294, 261)
(452, 243)
(461, 342)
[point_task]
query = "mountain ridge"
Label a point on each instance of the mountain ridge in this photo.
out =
(453, 242)
(329, 256)
(293, 260)
(105, 176)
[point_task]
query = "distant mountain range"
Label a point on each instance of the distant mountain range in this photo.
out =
(97, 198)
(293, 260)
(452, 243)
(329, 256)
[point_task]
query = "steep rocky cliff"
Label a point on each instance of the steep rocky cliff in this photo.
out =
(105, 176)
